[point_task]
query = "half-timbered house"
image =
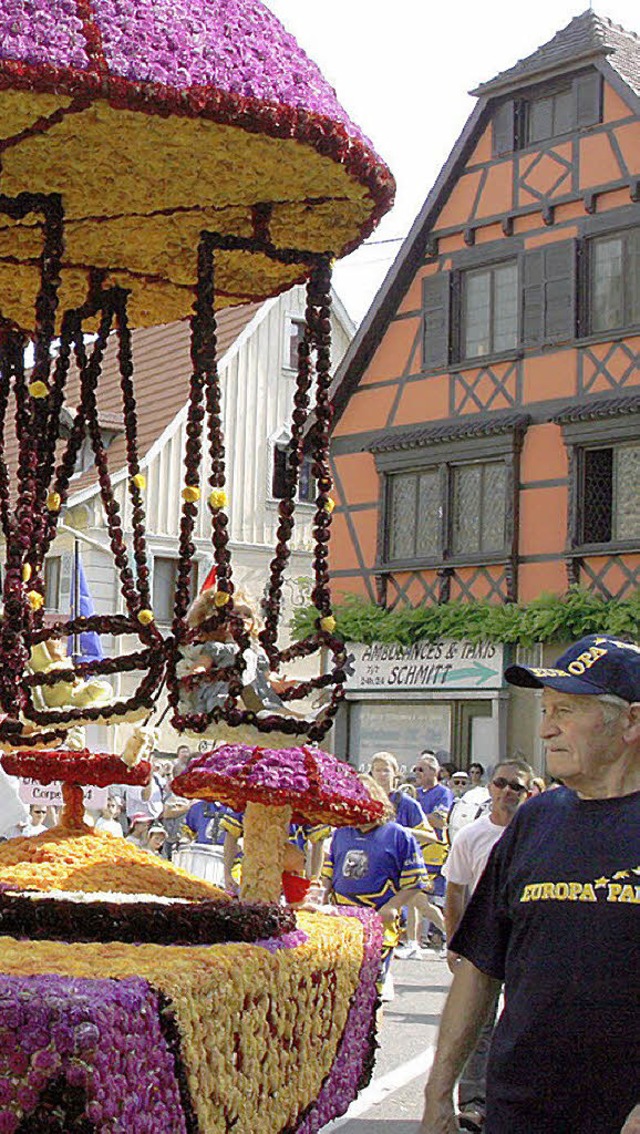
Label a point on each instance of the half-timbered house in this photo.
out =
(487, 436)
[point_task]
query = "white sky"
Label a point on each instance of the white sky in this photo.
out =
(402, 71)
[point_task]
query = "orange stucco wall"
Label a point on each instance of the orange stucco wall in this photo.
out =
(544, 456)
(543, 520)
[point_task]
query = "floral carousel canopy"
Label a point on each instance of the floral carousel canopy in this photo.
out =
(155, 120)
(160, 159)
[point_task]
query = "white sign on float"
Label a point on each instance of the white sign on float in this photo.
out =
(443, 665)
(95, 798)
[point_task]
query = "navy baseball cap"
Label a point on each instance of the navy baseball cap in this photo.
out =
(595, 664)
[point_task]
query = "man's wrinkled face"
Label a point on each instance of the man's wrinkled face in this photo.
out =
(579, 740)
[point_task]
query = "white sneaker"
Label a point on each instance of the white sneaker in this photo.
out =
(406, 950)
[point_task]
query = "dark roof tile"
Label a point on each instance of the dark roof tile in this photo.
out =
(477, 425)
(597, 408)
(585, 37)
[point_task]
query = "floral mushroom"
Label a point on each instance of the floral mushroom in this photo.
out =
(272, 786)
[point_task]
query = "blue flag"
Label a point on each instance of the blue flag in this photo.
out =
(88, 646)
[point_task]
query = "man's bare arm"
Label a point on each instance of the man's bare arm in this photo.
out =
(454, 904)
(465, 1011)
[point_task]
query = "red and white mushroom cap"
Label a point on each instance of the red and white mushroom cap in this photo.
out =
(319, 787)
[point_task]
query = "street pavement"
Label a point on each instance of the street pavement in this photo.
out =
(392, 1103)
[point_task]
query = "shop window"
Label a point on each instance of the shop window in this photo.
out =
(610, 501)
(614, 281)
(489, 310)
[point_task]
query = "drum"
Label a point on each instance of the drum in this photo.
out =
(203, 861)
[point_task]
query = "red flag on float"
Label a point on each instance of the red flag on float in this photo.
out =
(210, 580)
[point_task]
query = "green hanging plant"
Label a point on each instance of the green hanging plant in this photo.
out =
(548, 618)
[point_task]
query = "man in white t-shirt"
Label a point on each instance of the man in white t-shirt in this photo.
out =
(509, 787)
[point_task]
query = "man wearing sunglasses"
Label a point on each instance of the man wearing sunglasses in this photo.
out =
(508, 788)
(556, 916)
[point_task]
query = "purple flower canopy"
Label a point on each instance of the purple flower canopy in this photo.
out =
(237, 46)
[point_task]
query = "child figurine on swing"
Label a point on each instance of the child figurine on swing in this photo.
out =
(217, 650)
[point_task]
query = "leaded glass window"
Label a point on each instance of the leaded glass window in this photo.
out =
(490, 310)
(610, 497)
(615, 281)
(476, 494)
(415, 515)
(478, 499)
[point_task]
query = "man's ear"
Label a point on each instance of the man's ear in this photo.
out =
(632, 732)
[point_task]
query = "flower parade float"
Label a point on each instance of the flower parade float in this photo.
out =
(161, 161)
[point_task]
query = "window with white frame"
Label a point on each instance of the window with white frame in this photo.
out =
(165, 577)
(294, 333)
(307, 489)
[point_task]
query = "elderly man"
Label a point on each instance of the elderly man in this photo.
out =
(555, 915)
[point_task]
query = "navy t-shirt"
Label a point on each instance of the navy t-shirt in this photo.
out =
(556, 915)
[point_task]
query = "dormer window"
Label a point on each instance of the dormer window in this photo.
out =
(548, 116)
(547, 111)
(110, 424)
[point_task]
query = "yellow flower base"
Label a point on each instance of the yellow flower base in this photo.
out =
(259, 1035)
(138, 189)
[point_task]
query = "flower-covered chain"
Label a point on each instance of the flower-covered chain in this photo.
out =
(125, 360)
(286, 509)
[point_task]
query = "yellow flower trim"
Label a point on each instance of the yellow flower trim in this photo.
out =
(139, 481)
(191, 493)
(218, 499)
(329, 505)
(35, 599)
(54, 501)
(145, 617)
(211, 174)
(328, 623)
(66, 858)
(282, 1013)
(38, 389)
(26, 572)
(221, 598)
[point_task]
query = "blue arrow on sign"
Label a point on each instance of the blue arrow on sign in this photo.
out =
(477, 670)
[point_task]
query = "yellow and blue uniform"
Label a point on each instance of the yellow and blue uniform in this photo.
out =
(366, 868)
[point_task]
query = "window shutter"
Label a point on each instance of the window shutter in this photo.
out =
(587, 93)
(436, 305)
(548, 297)
(533, 297)
(559, 307)
(582, 288)
(504, 128)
